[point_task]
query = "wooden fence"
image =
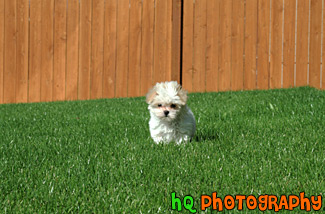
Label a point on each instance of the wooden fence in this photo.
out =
(87, 49)
(252, 44)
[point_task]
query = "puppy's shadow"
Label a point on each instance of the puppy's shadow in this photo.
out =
(206, 136)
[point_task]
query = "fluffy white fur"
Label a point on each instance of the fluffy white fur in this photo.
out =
(170, 118)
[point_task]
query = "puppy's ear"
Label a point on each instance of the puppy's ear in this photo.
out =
(151, 95)
(182, 94)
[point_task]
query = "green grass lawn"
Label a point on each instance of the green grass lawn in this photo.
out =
(97, 156)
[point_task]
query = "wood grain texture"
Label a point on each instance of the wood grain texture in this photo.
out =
(135, 48)
(263, 39)
(160, 42)
(122, 60)
(237, 45)
(315, 43)
(10, 39)
(200, 41)
(110, 49)
(22, 51)
(169, 38)
(72, 50)
(176, 17)
(2, 30)
(250, 45)
(289, 43)
(85, 50)
(97, 50)
(212, 51)
(302, 42)
(60, 49)
(188, 45)
(47, 50)
(225, 46)
(35, 51)
(323, 51)
(276, 44)
(147, 46)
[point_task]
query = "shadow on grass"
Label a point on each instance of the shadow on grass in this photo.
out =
(206, 136)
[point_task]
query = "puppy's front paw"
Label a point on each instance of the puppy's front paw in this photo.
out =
(183, 139)
(158, 140)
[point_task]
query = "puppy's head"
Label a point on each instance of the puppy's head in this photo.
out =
(166, 100)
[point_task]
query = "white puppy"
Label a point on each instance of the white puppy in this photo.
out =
(170, 118)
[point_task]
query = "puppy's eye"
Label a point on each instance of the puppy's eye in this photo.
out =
(159, 105)
(173, 106)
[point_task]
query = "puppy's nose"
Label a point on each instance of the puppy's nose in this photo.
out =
(166, 113)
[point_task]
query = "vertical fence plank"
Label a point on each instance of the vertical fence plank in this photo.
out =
(315, 43)
(168, 19)
(188, 46)
(176, 19)
(97, 50)
(225, 46)
(85, 49)
(72, 50)
(47, 50)
(250, 45)
(9, 76)
(302, 42)
(323, 51)
(134, 48)
(237, 45)
(2, 30)
(60, 38)
(200, 21)
(276, 44)
(109, 49)
(263, 44)
(212, 51)
(147, 45)
(22, 51)
(160, 42)
(122, 64)
(289, 43)
(35, 51)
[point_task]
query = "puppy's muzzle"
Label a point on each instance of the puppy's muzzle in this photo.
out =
(166, 113)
